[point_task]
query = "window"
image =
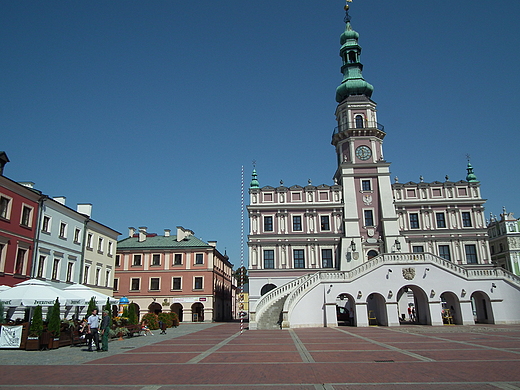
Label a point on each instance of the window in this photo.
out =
(46, 224)
(299, 258)
(369, 218)
(77, 232)
(154, 284)
(326, 258)
(297, 223)
(63, 230)
(325, 224)
(116, 284)
(176, 283)
(89, 241)
(366, 185)
(118, 260)
(55, 268)
(135, 284)
(269, 259)
(41, 264)
(466, 219)
(199, 258)
(26, 216)
(110, 248)
(156, 259)
(20, 261)
(359, 122)
(69, 272)
(178, 259)
(4, 207)
(444, 252)
(471, 254)
(98, 273)
(414, 221)
(100, 245)
(197, 284)
(441, 220)
(107, 278)
(268, 224)
(417, 249)
(86, 274)
(137, 260)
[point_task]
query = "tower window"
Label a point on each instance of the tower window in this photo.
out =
(466, 219)
(352, 57)
(365, 185)
(369, 218)
(444, 252)
(297, 223)
(359, 122)
(471, 254)
(325, 225)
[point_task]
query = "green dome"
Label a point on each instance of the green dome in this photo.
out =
(353, 87)
(348, 34)
(254, 181)
(471, 177)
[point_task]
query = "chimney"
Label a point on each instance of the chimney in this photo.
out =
(212, 243)
(167, 232)
(60, 199)
(28, 184)
(142, 233)
(3, 160)
(85, 208)
(131, 231)
(183, 233)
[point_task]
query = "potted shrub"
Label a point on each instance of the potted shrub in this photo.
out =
(175, 319)
(35, 330)
(55, 324)
(152, 320)
(119, 331)
(166, 319)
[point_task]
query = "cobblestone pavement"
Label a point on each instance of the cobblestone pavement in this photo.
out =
(218, 356)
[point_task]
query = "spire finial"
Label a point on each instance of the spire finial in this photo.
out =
(346, 8)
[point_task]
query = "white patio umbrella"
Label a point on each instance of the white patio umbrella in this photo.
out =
(34, 292)
(3, 287)
(86, 293)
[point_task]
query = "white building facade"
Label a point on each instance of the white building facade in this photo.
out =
(382, 253)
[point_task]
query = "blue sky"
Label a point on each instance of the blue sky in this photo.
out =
(149, 109)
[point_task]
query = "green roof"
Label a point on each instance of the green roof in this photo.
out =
(161, 242)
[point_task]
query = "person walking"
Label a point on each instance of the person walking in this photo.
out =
(105, 327)
(93, 329)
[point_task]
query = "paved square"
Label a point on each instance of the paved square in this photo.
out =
(217, 356)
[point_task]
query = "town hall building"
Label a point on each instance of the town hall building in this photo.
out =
(368, 251)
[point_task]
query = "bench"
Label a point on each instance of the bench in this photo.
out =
(133, 330)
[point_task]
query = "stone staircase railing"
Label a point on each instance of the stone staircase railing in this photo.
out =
(313, 280)
(274, 295)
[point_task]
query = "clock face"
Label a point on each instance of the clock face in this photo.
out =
(363, 152)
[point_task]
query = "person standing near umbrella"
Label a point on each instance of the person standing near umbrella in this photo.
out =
(93, 329)
(105, 326)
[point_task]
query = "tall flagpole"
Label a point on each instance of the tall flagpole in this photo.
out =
(241, 288)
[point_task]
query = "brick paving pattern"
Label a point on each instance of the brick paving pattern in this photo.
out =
(217, 356)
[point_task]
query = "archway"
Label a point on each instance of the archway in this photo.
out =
(266, 288)
(481, 305)
(177, 308)
(197, 310)
(451, 314)
(371, 254)
(346, 309)
(154, 307)
(413, 306)
(376, 308)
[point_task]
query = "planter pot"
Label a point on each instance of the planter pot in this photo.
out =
(55, 343)
(32, 344)
(45, 340)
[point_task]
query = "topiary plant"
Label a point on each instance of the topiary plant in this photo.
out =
(54, 320)
(166, 319)
(91, 306)
(36, 328)
(175, 319)
(152, 320)
(132, 315)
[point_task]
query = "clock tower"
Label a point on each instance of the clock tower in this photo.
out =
(370, 221)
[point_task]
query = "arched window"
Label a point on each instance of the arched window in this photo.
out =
(352, 57)
(372, 254)
(267, 288)
(359, 122)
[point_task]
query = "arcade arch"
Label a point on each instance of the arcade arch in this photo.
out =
(376, 310)
(482, 310)
(413, 306)
(346, 309)
(451, 313)
(197, 312)
(177, 308)
(154, 307)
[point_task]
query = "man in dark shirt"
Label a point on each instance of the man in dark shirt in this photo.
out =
(105, 327)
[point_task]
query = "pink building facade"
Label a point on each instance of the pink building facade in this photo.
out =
(178, 273)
